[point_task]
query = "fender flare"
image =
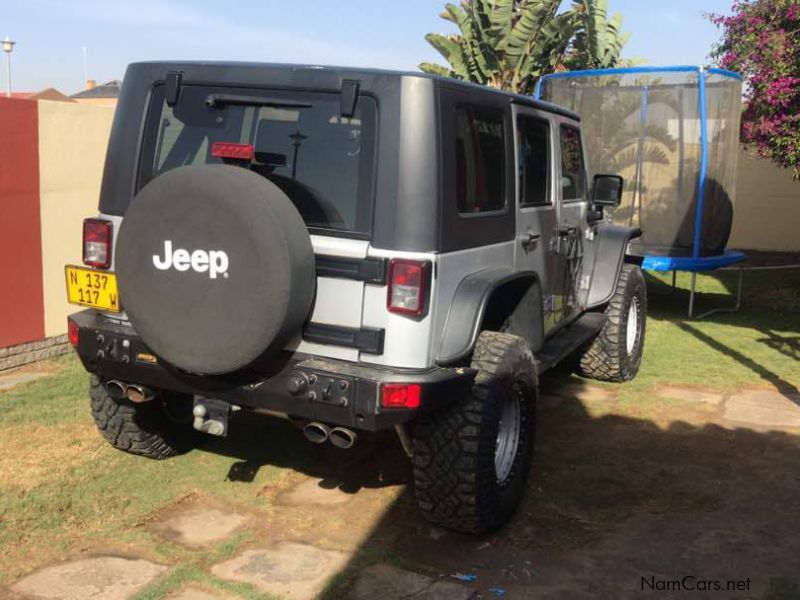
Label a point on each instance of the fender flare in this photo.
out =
(468, 308)
(611, 242)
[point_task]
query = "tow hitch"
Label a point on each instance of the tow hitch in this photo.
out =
(211, 416)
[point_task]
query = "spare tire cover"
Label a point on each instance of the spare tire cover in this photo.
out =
(215, 267)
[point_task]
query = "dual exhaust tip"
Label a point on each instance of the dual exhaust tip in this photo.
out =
(132, 391)
(315, 432)
(319, 433)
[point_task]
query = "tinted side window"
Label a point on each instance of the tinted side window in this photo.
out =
(573, 175)
(534, 161)
(480, 159)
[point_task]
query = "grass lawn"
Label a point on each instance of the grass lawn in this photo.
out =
(64, 492)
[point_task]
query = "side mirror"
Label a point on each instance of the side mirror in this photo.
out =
(607, 190)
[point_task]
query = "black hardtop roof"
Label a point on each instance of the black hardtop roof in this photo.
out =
(355, 72)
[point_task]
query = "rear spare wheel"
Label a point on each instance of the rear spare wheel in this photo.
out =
(215, 268)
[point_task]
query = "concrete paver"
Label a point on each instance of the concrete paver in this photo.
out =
(299, 571)
(764, 408)
(198, 525)
(97, 578)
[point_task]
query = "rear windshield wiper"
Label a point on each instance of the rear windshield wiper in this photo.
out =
(215, 100)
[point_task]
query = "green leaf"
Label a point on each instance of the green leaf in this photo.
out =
(434, 69)
(451, 48)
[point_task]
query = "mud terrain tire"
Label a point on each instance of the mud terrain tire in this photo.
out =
(456, 477)
(143, 429)
(614, 355)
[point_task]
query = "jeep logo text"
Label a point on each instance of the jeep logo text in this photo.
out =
(200, 261)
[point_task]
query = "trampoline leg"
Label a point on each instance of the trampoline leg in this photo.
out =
(691, 295)
(674, 275)
(735, 307)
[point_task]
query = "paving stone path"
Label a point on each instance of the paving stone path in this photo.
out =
(300, 571)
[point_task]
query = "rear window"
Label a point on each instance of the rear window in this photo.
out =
(324, 162)
(480, 159)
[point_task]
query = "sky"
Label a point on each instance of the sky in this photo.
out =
(51, 34)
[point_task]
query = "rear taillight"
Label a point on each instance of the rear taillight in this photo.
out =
(232, 150)
(400, 395)
(408, 284)
(72, 332)
(97, 243)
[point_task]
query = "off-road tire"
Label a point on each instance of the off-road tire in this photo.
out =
(143, 429)
(455, 479)
(607, 358)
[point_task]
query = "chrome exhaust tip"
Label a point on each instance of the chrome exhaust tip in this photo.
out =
(138, 393)
(116, 389)
(316, 433)
(342, 438)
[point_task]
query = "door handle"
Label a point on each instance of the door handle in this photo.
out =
(529, 240)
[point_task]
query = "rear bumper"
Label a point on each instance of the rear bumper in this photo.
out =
(302, 386)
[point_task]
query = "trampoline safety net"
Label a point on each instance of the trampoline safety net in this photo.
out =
(650, 126)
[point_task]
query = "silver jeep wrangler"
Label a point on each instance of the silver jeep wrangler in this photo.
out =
(356, 250)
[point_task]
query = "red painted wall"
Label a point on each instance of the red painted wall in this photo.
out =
(21, 295)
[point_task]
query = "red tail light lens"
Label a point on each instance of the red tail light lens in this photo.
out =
(72, 332)
(400, 395)
(97, 243)
(408, 283)
(232, 150)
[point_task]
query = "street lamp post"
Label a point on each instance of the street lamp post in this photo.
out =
(8, 47)
(297, 140)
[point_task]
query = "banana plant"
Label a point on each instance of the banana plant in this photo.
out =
(598, 40)
(509, 44)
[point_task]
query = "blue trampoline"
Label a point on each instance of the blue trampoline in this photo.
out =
(673, 134)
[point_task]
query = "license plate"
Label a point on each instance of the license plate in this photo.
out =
(88, 287)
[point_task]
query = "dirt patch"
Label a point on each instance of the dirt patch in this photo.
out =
(42, 367)
(314, 492)
(391, 583)
(364, 481)
(31, 454)
(577, 390)
(690, 393)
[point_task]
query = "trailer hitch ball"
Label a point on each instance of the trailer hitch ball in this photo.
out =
(211, 416)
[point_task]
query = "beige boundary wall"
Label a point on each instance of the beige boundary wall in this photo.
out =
(767, 210)
(72, 149)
